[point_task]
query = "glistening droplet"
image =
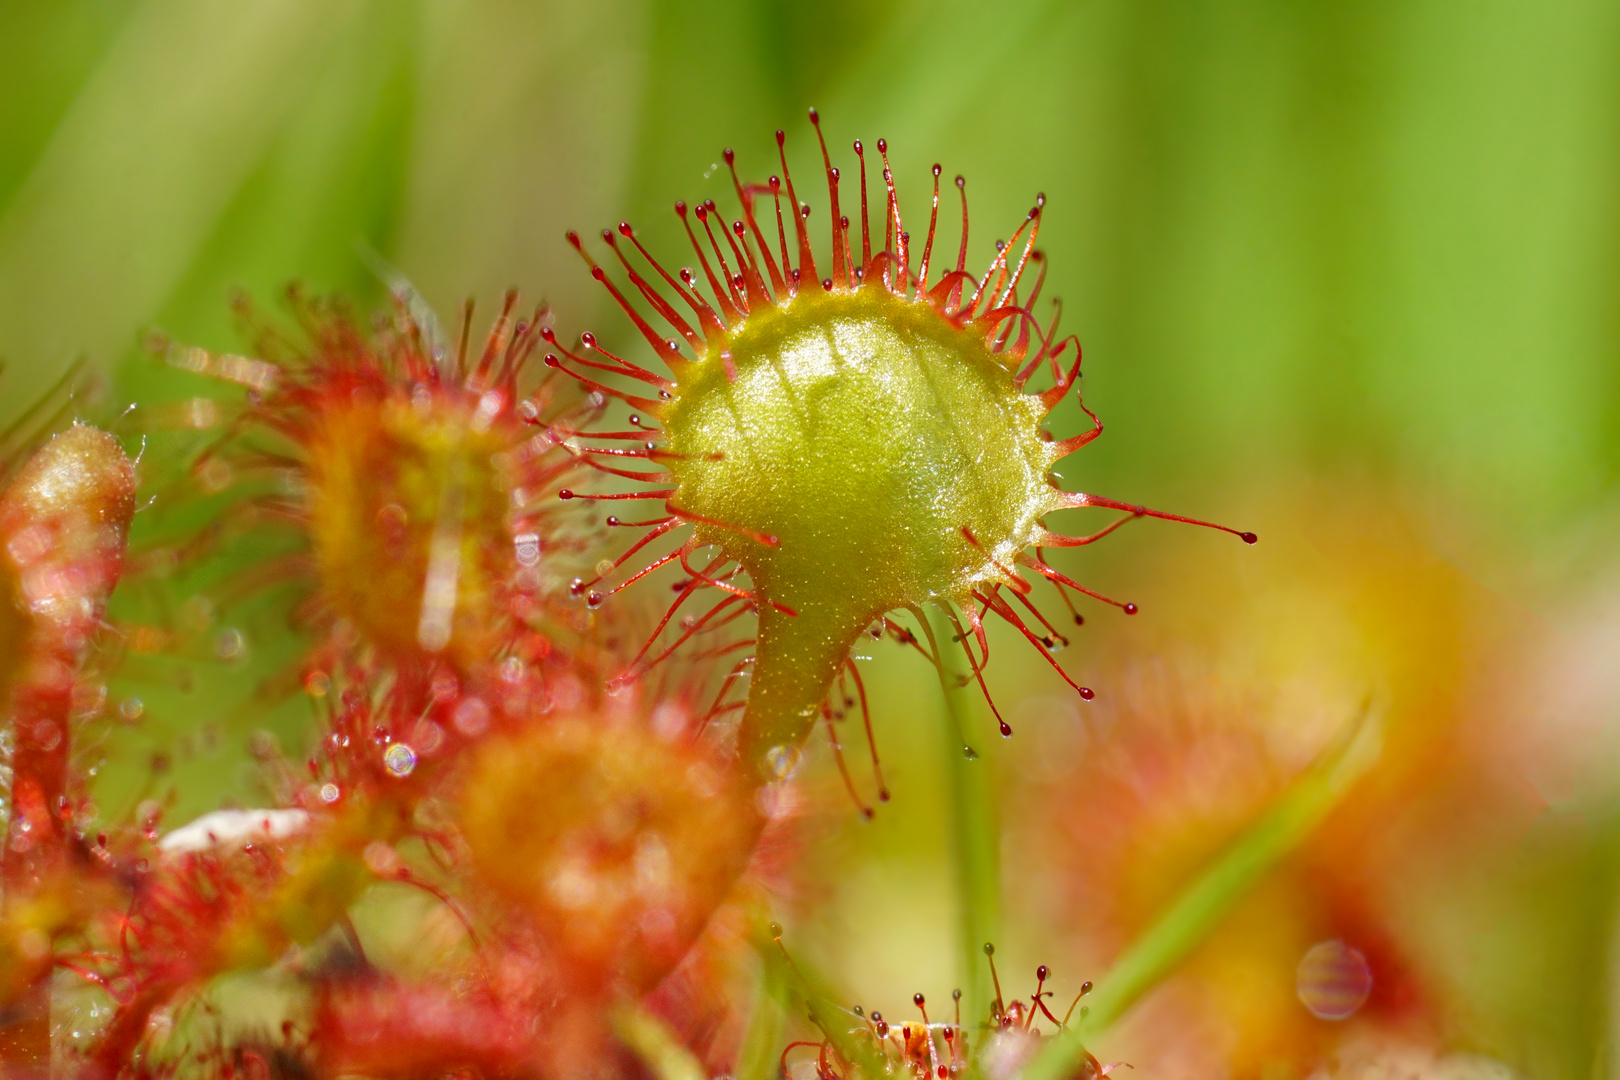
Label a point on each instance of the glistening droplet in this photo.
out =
(399, 759)
(1333, 980)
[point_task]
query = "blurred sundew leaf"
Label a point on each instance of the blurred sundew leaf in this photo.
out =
(324, 196)
(1201, 906)
(139, 169)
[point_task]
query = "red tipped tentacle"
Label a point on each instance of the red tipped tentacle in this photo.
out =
(758, 537)
(618, 367)
(1058, 637)
(977, 667)
(708, 322)
(659, 529)
(1063, 593)
(1045, 352)
(665, 309)
(495, 344)
(746, 198)
(807, 258)
(615, 523)
(1080, 500)
(1047, 538)
(843, 768)
(565, 494)
(951, 284)
(840, 224)
(574, 433)
(1034, 221)
(723, 297)
(551, 360)
(661, 561)
(748, 277)
(661, 345)
(521, 349)
(928, 245)
(1004, 276)
(722, 584)
(1050, 397)
(692, 585)
(732, 676)
(788, 274)
(866, 721)
(1040, 566)
(866, 230)
(635, 371)
(1001, 607)
(644, 477)
(895, 238)
(734, 282)
(698, 625)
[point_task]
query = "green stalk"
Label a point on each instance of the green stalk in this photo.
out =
(796, 658)
(655, 1044)
(762, 1042)
(975, 829)
(847, 1034)
(1200, 908)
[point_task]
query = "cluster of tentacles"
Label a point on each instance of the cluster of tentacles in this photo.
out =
(750, 274)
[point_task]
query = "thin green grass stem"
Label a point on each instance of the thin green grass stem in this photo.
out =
(655, 1044)
(974, 826)
(1200, 908)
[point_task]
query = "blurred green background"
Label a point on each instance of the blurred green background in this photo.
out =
(1375, 237)
(1324, 248)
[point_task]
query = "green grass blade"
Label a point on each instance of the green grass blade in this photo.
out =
(762, 1042)
(847, 1034)
(1201, 906)
(655, 1044)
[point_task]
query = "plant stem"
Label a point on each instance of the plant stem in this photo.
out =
(656, 1045)
(848, 1035)
(762, 1044)
(796, 658)
(975, 830)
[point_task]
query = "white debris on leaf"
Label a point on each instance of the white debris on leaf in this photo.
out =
(233, 827)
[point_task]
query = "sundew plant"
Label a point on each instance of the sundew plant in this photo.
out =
(739, 653)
